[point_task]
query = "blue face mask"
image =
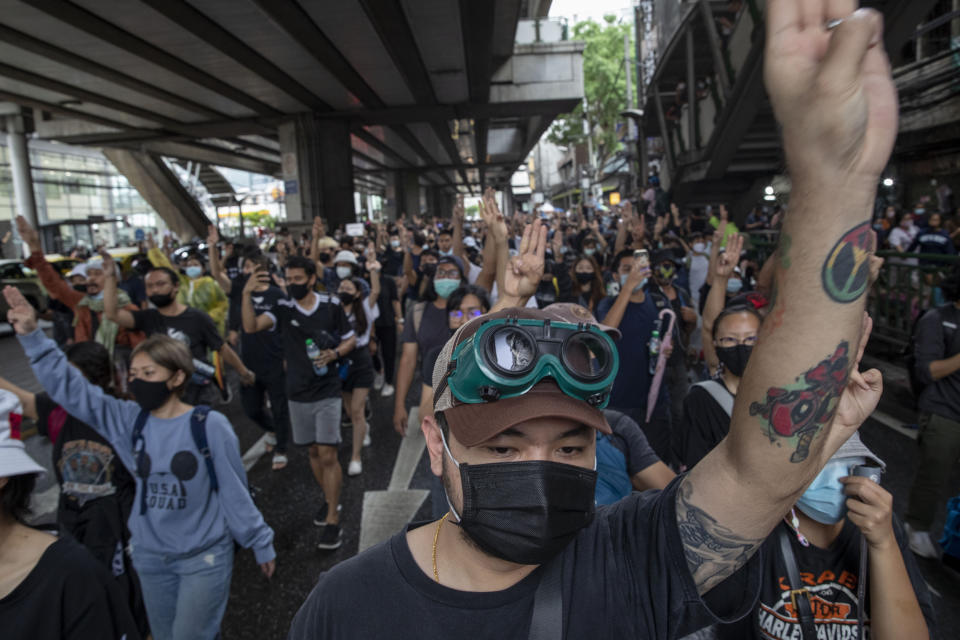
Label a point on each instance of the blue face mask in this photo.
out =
(194, 272)
(445, 286)
(588, 251)
(734, 285)
(446, 253)
(824, 500)
(623, 282)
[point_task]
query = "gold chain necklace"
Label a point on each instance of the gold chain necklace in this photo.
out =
(436, 536)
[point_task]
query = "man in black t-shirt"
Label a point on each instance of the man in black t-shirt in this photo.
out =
(315, 334)
(513, 432)
(174, 319)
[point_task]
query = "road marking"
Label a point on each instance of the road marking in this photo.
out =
(255, 452)
(893, 423)
(386, 512)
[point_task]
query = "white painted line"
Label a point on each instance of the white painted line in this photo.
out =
(387, 512)
(255, 452)
(893, 423)
(408, 457)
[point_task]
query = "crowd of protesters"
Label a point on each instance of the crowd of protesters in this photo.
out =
(668, 320)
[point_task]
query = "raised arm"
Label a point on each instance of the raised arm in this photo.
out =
(801, 396)
(374, 268)
(495, 251)
(457, 218)
(524, 271)
(216, 267)
(252, 323)
(57, 287)
(110, 417)
(111, 309)
(722, 269)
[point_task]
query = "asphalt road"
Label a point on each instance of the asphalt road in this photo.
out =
(260, 609)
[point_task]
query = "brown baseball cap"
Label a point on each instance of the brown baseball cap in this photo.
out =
(473, 423)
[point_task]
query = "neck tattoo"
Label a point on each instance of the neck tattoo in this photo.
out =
(436, 536)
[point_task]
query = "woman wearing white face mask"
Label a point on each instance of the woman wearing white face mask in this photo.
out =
(344, 264)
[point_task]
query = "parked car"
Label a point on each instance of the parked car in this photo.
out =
(16, 274)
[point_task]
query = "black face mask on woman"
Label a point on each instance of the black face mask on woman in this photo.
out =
(346, 298)
(584, 277)
(734, 359)
(150, 395)
(525, 512)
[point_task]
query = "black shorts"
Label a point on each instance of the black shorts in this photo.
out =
(360, 375)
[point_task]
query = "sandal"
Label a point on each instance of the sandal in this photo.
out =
(279, 461)
(270, 441)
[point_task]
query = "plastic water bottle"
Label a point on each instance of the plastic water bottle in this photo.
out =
(654, 351)
(313, 352)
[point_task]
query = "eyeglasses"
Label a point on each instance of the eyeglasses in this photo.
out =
(730, 341)
(471, 313)
(447, 273)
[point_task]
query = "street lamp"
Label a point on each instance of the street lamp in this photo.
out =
(888, 182)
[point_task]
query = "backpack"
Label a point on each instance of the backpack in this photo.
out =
(613, 480)
(910, 359)
(950, 542)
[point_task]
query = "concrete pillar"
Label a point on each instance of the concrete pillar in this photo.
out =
(20, 170)
(317, 169)
(391, 206)
(409, 188)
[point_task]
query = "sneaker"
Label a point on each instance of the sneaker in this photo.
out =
(921, 543)
(321, 518)
(355, 468)
(366, 439)
(345, 420)
(387, 390)
(378, 381)
(330, 538)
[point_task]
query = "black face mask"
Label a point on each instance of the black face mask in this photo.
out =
(525, 512)
(82, 288)
(323, 257)
(584, 278)
(149, 395)
(161, 300)
(346, 298)
(734, 359)
(298, 291)
(428, 269)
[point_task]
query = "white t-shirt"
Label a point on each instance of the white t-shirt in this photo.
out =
(372, 310)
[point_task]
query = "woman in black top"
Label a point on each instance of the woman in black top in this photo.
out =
(96, 491)
(50, 588)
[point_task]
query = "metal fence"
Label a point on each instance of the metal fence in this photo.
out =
(907, 286)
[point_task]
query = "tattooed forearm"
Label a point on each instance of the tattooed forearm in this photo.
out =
(796, 413)
(846, 271)
(713, 551)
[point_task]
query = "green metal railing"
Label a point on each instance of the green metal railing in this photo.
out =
(907, 286)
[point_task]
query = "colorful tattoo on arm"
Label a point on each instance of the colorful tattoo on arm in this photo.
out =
(713, 551)
(796, 413)
(846, 271)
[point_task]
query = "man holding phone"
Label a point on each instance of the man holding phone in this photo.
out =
(635, 311)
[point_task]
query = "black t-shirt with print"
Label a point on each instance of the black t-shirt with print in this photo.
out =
(705, 423)
(831, 576)
(67, 596)
(327, 325)
(193, 327)
(262, 352)
(86, 466)
(623, 576)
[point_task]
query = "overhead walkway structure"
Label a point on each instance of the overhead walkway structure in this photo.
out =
(415, 99)
(706, 116)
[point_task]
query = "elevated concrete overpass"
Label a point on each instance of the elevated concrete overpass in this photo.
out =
(702, 73)
(414, 99)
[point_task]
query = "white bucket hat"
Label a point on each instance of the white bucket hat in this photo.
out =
(14, 459)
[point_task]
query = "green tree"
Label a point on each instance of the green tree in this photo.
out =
(605, 89)
(260, 218)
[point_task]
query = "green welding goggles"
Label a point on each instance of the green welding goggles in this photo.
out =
(506, 357)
